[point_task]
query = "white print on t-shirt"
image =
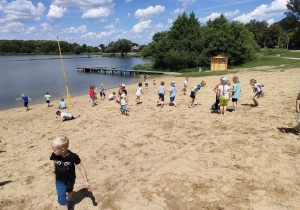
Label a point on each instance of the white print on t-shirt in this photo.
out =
(57, 162)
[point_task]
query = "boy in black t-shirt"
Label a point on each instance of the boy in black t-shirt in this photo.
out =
(64, 168)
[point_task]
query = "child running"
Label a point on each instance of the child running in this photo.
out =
(161, 93)
(102, 91)
(259, 91)
(146, 81)
(173, 91)
(194, 93)
(64, 170)
(25, 99)
(62, 104)
(123, 103)
(92, 95)
(224, 95)
(216, 104)
(47, 98)
(236, 90)
(139, 90)
(185, 84)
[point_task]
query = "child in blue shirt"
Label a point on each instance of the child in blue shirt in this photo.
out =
(173, 91)
(62, 104)
(194, 93)
(102, 91)
(236, 90)
(25, 99)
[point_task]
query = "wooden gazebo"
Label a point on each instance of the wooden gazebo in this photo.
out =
(219, 62)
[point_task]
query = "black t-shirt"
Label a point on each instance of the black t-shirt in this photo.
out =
(65, 166)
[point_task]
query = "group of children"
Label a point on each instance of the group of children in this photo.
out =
(65, 160)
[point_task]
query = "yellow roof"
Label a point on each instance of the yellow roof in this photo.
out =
(219, 56)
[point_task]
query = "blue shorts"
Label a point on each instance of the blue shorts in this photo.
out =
(62, 188)
(123, 107)
(172, 99)
(192, 95)
(92, 100)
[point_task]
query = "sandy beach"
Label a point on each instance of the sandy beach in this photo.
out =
(161, 158)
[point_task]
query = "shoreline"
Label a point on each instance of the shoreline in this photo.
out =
(57, 101)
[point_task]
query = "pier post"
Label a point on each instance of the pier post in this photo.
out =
(121, 72)
(104, 72)
(113, 72)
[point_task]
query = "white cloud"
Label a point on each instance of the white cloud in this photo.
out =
(262, 12)
(128, 15)
(89, 35)
(141, 26)
(93, 35)
(149, 12)
(73, 30)
(178, 10)
(55, 13)
(12, 27)
(185, 3)
(170, 21)
(30, 30)
(21, 10)
(46, 27)
(271, 21)
(159, 26)
(110, 26)
(96, 13)
(128, 1)
(214, 15)
(83, 4)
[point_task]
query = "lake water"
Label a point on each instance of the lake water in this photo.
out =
(37, 74)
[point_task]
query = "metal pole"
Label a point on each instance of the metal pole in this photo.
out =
(62, 63)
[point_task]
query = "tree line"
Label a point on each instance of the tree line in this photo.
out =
(189, 44)
(43, 47)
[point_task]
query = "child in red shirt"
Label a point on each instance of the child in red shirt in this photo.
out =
(92, 94)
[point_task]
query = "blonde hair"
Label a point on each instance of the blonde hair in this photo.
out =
(228, 82)
(235, 79)
(61, 142)
(203, 84)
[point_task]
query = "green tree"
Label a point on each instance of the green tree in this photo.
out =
(112, 48)
(273, 35)
(123, 46)
(230, 39)
(258, 28)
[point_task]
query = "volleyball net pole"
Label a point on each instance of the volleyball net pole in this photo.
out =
(62, 63)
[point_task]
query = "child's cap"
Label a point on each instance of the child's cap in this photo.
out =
(101, 85)
(224, 79)
(198, 86)
(172, 83)
(122, 85)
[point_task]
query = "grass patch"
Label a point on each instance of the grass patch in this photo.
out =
(206, 73)
(263, 60)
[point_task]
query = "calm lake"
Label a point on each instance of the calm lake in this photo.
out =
(37, 74)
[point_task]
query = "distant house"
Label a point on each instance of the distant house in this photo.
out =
(100, 49)
(135, 48)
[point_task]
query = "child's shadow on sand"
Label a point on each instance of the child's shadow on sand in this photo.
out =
(288, 130)
(80, 195)
(251, 105)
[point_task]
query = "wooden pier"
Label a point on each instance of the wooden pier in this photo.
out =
(113, 71)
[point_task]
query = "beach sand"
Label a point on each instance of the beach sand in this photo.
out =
(161, 158)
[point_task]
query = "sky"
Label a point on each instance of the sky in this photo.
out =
(95, 22)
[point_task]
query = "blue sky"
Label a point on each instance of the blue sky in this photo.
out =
(96, 22)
